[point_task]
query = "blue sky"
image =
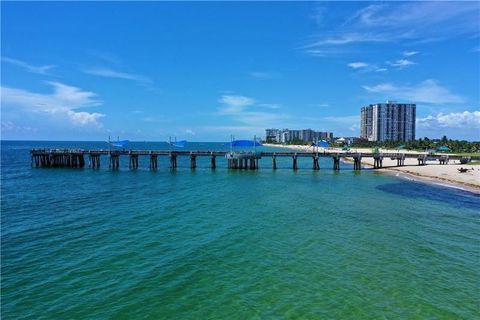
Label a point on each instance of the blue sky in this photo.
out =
(204, 70)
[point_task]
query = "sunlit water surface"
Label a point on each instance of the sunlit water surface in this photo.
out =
(134, 244)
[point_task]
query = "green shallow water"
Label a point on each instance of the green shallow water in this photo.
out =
(234, 245)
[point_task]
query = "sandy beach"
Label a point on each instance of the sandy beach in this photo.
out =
(432, 172)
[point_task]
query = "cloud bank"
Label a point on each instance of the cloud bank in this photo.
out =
(428, 91)
(64, 100)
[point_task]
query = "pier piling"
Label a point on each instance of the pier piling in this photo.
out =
(213, 163)
(153, 161)
(443, 159)
(377, 161)
(133, 161)
(173, 161)
(94, 160)
(193, 161)
(316, 165)
(357, 162)
(114, 160)
(422, 160)
(336, 162)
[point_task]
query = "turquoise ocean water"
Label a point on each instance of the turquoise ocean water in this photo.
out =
(97, 244)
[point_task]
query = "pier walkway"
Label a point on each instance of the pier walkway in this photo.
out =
(79, 158)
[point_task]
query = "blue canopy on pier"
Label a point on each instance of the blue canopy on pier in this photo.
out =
(179, 144)
(400, 147)
(443, 148)
(119, 144)
(244, 143)
(321, 144)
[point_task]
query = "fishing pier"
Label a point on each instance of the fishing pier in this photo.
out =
(78, 158)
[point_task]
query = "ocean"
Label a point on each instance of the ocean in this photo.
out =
(203, 244)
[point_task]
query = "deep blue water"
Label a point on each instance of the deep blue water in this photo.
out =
(84, 243)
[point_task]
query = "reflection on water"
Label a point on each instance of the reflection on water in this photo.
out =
(454, 197)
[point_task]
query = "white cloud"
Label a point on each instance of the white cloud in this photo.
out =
(190, 132)
(456, 125)
(411, 15)
(109, 73)
(344, 120)
(64, 100)
(85, 118)
(247, 111)
(469, 119)
(320, 105)
(409, 53)
(354, 127)
(321, 52)
(9, 126)
(30, 68)
(148, 119)
(365, 67)
(235, 103)
(341, 125)
(105, 56)
(261, 75)
(358, 65)
(319, 13)
(269, 105)
(415, 21)
(235, 129)
(401, 63)
(428, 91)
(347, 38)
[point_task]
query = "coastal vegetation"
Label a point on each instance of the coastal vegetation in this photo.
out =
(463, 147)
(460, 147)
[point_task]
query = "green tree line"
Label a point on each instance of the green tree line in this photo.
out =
(455, 146)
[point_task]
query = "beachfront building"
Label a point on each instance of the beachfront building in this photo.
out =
(345, 140)
(272, 135)
(288, 135)
(390, 121)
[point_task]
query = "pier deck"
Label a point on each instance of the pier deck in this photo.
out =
(76, 158)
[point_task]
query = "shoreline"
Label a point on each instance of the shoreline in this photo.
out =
(438, 181)
(429, 173)
(415, 176)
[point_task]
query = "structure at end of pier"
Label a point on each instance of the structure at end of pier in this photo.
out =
(243, 160)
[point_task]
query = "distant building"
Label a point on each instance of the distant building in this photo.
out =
(284, 136)
(388, 121)
(287, 135)
(346, 140)
(272, 135)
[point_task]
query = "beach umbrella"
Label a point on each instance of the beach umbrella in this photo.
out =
(323, 144)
